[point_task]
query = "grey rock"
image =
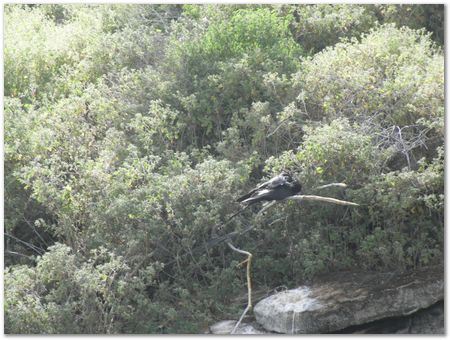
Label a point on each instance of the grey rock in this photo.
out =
(347, 299)
(226, 326)
(426, 321)
(429, 321)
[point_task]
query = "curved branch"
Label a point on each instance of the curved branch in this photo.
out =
(264, 208)
(249, 283)
(321, 198)
(342, 185)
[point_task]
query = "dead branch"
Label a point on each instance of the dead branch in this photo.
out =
(342, 185)
(18, 254)
(264, 208)
(38, 250)
(249, 283)
(321, 198)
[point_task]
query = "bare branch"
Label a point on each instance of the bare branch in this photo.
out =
(34, 230)
(38, 250)
(279, 125)
(249, 283)
(18, 254)
(320, 198)
(264, 208)
(238, 250)
(341, 185)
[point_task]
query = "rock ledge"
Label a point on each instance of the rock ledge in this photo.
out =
(348, 299)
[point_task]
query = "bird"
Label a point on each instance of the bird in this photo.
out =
(276, 189)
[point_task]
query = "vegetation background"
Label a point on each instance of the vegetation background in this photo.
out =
(131, 129)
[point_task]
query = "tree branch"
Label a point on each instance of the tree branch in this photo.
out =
(342, 185)
(249, 283)
(320, 198)
(38, 250)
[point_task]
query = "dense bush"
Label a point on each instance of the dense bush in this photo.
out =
(318, 26)
(66, 294)
(391, 83)
(391, 70)
(131, 129)
(221, 62)
(416, 17)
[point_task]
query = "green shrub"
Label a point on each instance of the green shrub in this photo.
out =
(391, 83)
(390, 74)
(221, 64)
(403, 212)
(414, 16)
(66, 294)
(318, 26)
(335, 152)
(130, 130)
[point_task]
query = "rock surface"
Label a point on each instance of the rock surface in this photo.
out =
(348, 299)
(426, 321)
(226, 326)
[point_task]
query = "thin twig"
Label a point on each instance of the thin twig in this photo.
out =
(40, 251)
(249, 263)
(265, 207)
(18, 254)
(241, 318)
(34, 230)
(405, 151)
(279, 125)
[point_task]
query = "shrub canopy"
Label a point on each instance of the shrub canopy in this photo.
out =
(130, 130)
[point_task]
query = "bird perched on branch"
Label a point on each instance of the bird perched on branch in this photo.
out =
(276, 189)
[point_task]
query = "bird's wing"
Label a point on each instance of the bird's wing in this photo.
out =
(270, 184)
(259, 195)
(276, 182)
(247, 195)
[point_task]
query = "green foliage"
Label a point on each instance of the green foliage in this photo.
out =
(340, 152)
(246, 31)
(221, 65)
(36, 51)
(405, 212)
(391, 82)
(414, 16)
(389, 71)
(318, 26)
(66, 294)
(400, 222)
(131, 129)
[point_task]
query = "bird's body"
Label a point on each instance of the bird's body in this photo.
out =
(276, 189)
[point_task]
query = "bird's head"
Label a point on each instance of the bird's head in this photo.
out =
(296, 187)
(293, 180)
(286, 173)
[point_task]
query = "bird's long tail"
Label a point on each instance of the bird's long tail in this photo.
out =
(254, 199)
(220, 226)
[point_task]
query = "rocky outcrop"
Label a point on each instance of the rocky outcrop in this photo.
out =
(226, 326)
(349, 299)
(425, 321)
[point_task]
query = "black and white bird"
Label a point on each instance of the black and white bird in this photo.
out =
(276, 189)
